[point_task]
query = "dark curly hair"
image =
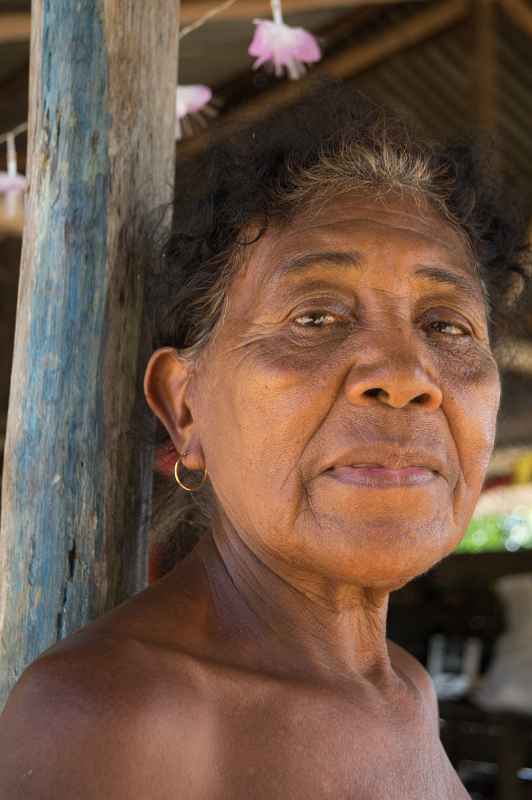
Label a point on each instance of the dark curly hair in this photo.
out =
(333, 140)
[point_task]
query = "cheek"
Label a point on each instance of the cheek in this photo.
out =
(471, 406)
(474, 402)
(289, 393)
(258, 423)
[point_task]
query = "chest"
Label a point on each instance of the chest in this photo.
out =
(274, 747)
(356, 763)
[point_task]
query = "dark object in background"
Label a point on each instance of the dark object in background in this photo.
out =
(479, 778)
(454, 664)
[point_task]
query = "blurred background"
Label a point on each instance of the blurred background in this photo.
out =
(454, 66)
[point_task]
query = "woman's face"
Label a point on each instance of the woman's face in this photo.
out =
(357, 335)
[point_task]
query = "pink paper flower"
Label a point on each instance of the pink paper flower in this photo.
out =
(284, 46)
(11, 183)
(189, 100)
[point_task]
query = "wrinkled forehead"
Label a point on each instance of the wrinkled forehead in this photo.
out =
(356, 227)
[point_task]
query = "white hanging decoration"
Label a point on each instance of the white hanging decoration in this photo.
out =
(506, 686)
(285, 46)
(193, 103)
(12, 184)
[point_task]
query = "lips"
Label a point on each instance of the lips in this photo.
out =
(391, 456)
(372, 475)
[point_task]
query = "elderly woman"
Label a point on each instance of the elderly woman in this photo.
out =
(328, 312)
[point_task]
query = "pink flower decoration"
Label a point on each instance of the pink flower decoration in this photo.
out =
(284, 46)
(11, 183)
(189, 100)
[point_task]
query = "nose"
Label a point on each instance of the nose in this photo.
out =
(395, 379)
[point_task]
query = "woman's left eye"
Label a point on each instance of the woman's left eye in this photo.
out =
(461, 329)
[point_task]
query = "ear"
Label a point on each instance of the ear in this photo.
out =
(165, 383)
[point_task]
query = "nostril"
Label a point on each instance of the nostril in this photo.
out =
(373, 392)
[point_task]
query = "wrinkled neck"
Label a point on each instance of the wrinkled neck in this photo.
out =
(293, 623)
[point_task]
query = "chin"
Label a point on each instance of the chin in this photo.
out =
(383, 552)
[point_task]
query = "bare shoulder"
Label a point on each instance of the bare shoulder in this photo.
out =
(81, 721)
(414, 670)
(110, 708)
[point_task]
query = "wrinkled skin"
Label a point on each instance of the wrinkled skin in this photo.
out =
(268, 643)
(307, 366)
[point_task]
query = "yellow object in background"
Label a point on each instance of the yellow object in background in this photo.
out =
(522, 469)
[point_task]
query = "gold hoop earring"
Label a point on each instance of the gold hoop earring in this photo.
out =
(187, 488)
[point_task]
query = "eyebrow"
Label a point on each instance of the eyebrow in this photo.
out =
(352, 259)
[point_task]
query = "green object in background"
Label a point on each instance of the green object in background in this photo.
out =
(498, 533)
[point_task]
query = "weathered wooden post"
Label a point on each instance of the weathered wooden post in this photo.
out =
(76, 485)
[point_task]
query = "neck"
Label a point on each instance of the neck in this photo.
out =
(276, 620)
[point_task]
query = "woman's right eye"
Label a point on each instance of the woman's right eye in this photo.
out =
(315, 319)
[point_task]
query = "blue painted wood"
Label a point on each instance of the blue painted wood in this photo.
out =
(76, 486)
(66, 308)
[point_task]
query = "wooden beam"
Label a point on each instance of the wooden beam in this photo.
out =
(484, 64)
(412, 31)
(16, 27)
(77, 482)
(520, 13)
(247, 9)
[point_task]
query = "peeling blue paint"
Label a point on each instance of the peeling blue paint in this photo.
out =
(67, 319)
